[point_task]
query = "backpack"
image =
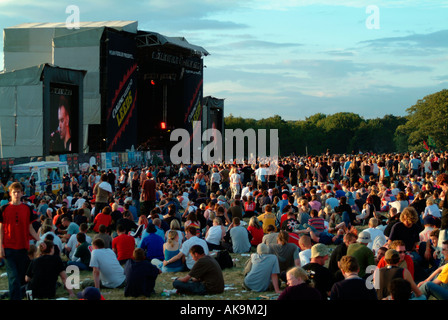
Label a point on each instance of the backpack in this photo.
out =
(224, 259)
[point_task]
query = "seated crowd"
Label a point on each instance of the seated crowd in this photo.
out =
(332, 227)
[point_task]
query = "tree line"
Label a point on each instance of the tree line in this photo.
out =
(424, 127)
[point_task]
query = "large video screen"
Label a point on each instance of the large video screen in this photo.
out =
(64, 113)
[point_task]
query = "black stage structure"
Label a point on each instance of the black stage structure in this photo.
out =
(150, 85)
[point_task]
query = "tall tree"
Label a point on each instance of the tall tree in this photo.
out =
(428, 118)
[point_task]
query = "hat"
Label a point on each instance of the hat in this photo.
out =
(391, 254)
(284, 196)
(90, 293)
(270, 191)
(294, 188)
(429, 220)
(319, 250)
(262, 248)
(149, 174)
(364, 237)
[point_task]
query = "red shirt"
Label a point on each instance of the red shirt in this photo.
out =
(293, 238)
(408, 263)
(16, 220)
(100, 219)
(124, 246)
(149, 190)
(257, 235)
(250, 207)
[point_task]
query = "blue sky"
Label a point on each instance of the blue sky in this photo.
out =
(292, 58)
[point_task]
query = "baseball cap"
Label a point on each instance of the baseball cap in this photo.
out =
(319, 250)
(429, 220)
(90, 293)
(391, 255)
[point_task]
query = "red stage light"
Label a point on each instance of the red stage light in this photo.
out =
(153, 82)
(163, 125)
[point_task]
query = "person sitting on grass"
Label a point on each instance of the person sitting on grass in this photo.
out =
(261, 272)
(140, 274)
(205, 277)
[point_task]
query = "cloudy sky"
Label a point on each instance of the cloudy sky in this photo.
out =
(292, 58)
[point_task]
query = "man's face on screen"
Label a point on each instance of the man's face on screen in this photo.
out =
(63, 123)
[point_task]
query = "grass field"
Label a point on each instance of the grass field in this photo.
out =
(233, 289)
(233, 279)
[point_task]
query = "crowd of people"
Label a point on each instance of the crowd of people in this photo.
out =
(358, 226)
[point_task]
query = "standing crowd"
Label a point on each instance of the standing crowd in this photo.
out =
(329, 227)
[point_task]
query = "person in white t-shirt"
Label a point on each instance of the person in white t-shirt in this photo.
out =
(107, 271)
(305, 247)
(235, 182)
(192, 239)
(376, 234)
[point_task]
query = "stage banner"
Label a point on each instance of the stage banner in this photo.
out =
(121, 79)
(192, 100)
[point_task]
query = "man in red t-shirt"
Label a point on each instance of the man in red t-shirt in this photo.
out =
(123, 245)
(16, 231)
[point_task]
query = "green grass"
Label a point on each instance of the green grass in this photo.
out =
(233, 279)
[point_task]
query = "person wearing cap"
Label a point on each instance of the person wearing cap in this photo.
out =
(261, 271)
(362, 253)
(319, 274)
(90, 293)
(406, 260)
(353, 287)
(283, 202)
(429, 223)
(383, 276)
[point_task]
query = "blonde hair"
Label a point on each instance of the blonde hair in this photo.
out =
(174, 224)
(171, 237)
(409, 214)
(298, 273)
(254, 222)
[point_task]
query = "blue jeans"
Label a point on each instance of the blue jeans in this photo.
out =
(440, 292)
(79, 264)
(192, 287)
(16, 264)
